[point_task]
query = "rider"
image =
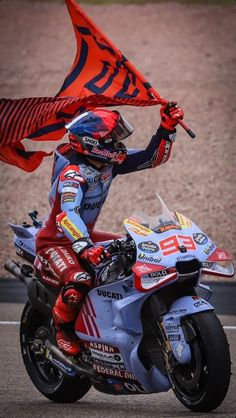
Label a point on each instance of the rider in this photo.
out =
(82, 174)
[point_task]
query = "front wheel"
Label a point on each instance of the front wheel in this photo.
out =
(47, 378)
(203, 384)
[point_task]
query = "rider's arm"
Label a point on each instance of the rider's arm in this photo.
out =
(71, 187)
(159, 149)
(157, 153)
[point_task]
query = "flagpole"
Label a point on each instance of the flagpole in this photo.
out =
(181, 122)
(161, 100)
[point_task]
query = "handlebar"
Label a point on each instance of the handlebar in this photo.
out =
(121, 247)
(118, 263)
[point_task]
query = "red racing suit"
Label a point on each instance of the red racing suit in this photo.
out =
(78, 193)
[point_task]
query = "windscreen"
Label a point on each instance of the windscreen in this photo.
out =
(159, 222)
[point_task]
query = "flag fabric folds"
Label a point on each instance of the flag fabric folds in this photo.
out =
(100, 76)
(100, 71)
(37, 118)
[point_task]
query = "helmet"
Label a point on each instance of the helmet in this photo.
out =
(97, 134)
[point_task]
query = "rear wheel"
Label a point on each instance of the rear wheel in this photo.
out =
(203, 384)
(47, 378)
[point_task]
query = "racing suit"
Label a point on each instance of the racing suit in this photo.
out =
(78, 193)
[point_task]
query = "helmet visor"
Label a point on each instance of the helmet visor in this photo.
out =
(122, 129)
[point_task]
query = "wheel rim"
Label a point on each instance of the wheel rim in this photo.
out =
(49, 375)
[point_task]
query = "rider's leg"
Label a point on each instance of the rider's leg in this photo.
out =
(62, 263)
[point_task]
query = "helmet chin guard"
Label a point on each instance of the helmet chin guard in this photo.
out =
(98, 134)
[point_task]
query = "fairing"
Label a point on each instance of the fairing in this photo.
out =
(165, 240)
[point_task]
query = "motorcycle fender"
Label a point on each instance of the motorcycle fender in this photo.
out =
(187, 305)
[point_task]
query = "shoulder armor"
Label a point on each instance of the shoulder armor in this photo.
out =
(71, 172)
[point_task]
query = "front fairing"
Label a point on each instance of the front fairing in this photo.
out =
(170, 241)
(166, 240)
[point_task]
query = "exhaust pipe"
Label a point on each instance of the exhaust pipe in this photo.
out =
(80, 369)
(17, 270)
(42, 298)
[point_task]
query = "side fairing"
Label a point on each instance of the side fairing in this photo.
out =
(24, 238)
(109, 324)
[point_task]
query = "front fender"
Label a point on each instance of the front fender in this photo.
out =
(185, 306)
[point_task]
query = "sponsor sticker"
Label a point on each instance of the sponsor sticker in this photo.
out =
(71, 228)
(137, 228)
(70, 184)
(102, 347)
(200, 238)
(148, 247)
(167, 227)
(184, 257)
(90, 141)
(210, 248)
(108, 294)
(149, 259)
(111, 372)
(159, 273)
(183, 221)
(172, 328)
(107, 359)
(69, 190)
(174, 337)
(199, 303)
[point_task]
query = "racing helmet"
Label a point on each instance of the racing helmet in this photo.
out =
(98, 134)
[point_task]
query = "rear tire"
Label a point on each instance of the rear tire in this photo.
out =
(48, 379)
(203, 384)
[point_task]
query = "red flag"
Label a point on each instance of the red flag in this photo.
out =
(37, 118)
(100, 76)
(100, 72)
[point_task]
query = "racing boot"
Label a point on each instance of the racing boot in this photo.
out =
(64, 316)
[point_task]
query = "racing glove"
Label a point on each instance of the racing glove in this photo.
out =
(95, 255)
(170, 115)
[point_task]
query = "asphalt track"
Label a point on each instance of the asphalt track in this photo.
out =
(19, 398)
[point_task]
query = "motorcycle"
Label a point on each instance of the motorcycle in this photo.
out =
(147, 325)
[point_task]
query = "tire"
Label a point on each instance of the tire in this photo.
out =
(203, 384)
(47, 378)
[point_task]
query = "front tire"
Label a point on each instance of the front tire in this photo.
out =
(203, 384)
(47, 378)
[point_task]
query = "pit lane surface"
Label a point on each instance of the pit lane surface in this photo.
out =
(19, 398)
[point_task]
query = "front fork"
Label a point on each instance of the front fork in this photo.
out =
(176, 337)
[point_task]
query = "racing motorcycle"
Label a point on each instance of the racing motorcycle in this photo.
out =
(147, 325)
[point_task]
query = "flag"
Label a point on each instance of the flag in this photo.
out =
(37, 118)
(100, 71)
(100, 76)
